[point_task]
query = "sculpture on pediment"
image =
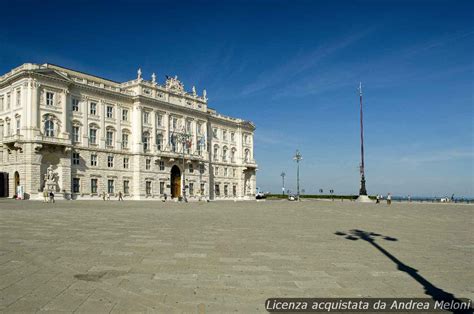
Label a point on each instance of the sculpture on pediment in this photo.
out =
(173, 83)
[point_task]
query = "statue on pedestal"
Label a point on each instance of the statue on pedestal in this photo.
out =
(50, 179)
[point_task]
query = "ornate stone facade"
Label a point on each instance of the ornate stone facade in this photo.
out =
(84, 136)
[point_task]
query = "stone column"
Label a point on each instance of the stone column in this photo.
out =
(64, 114)
(137, 128)
(33, 121)
(85, 122)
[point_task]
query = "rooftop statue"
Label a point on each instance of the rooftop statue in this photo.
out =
(139, 73)
(174, 84)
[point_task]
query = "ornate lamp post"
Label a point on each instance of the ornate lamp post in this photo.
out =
(298, 157)
(283, 174)
(185, 140)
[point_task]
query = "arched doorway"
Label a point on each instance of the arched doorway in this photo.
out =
(175, 182)
(16, 181)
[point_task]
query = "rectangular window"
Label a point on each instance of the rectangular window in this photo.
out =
(216, 171)
(226, 192)
(174, 123)
(162, 165)
(224, 135)
(75, 134)
(109, 140)
(110, 112)
(93, 108)
(188, 126)
(18, 126)
(159, 120)
(201, 168)
(75, 158)
(49, 99)
(18, 98)
(148, 187)
(1, 104)
(110, 161)
(93, 160)
(214, 133)
(191, 188)
(124, 140)
(216, 189)
(92, 136)
(75, 185)
(225, 172)
(126, 187)
(233, 173)
(234, 190)
(110, 186)
(8, 101)
(148, 164)
(159, 141)
(125, 162)
(125, 114)
(94, 186)
(162, 187)
(202, 189)
(75, 104)
(146, 117)
(191, 168)
(232, 137)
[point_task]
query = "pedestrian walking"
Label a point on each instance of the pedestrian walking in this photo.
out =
(103, 196)
(377, 199)
(389, 199)
(120, 197)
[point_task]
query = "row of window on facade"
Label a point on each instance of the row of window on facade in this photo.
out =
(215, 134)
(5, 127)
(111, 188)
(5, 100)
(76, 160)
(175, 122)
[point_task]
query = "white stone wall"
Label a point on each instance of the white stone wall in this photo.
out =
(46, 93)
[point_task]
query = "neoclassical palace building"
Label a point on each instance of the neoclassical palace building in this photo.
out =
(80, 136)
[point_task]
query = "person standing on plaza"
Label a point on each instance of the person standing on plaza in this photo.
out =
(377, 199)
(389, 199)
(103, 196)
(51, 197)
(120, 197)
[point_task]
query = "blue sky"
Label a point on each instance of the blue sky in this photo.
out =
(293, 68)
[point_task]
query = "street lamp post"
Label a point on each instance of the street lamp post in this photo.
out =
(363, 190)
(283, 174)
(298, 157)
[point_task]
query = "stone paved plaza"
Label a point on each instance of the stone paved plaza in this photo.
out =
(220, 257)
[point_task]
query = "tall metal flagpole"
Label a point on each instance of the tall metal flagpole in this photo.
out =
(363, 190)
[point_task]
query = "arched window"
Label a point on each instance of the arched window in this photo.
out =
(109, 136)
(224, 153)
(146, 141)
(159, 141)
(93, 133)
(125, 138)
(216, 152)
(232, 155)
(49, 128)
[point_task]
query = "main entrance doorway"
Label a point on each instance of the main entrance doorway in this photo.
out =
(3, 184)
(175, 182)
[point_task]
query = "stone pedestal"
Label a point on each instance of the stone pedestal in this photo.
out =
(364, 199)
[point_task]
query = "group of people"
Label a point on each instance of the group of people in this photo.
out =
(107, 196)
(48, 197)
(379, 198)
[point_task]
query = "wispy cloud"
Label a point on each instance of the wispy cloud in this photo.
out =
(438, 156)
(301, 63)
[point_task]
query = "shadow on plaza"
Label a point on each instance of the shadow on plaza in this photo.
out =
(434, 292)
